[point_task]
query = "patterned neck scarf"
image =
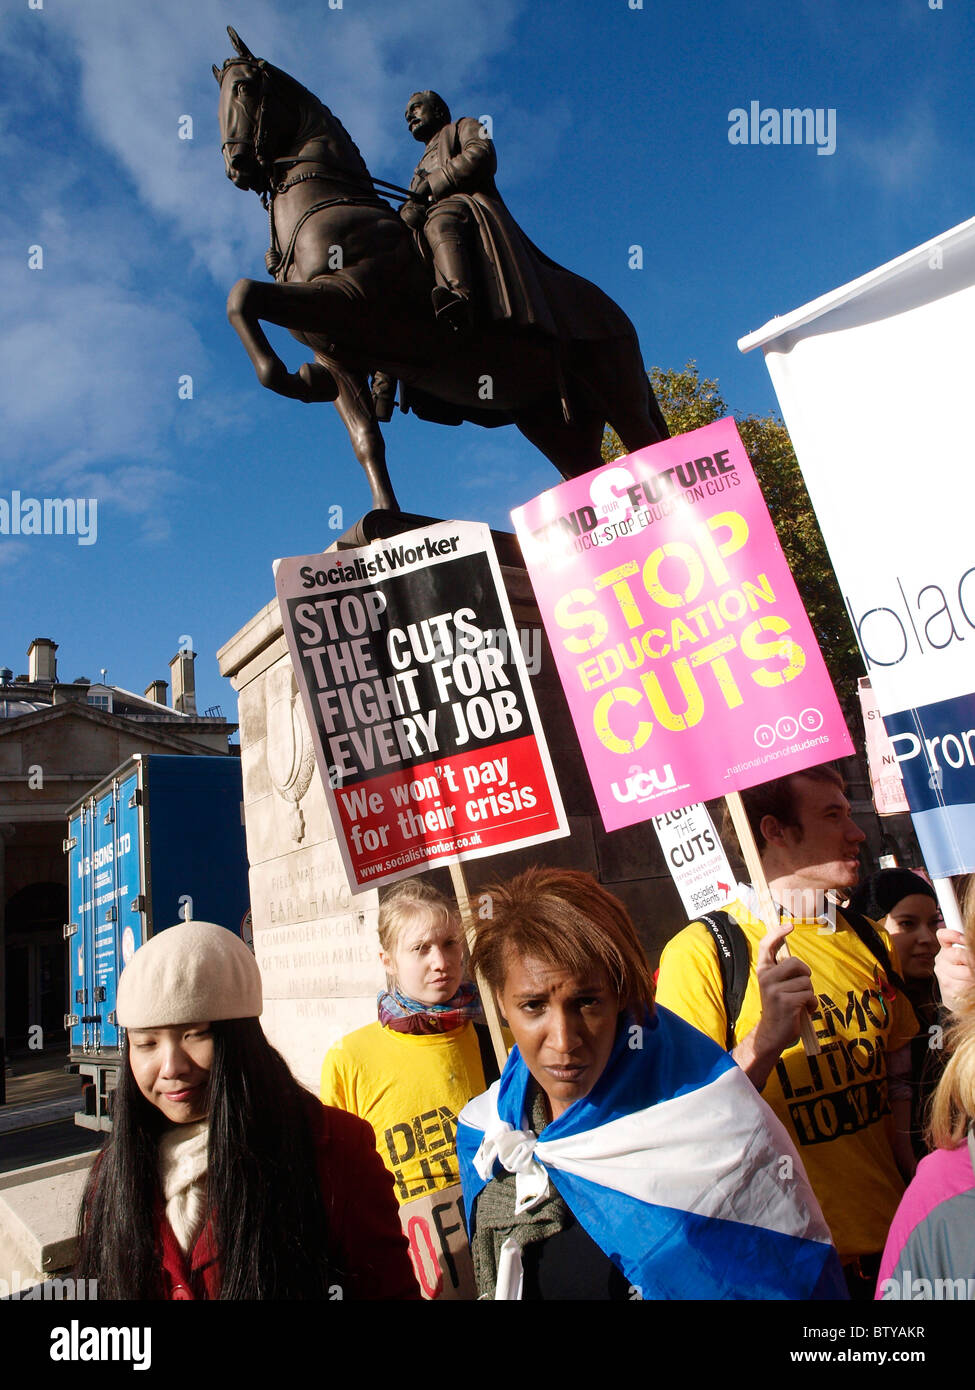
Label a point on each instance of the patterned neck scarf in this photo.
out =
(183, 1174)
(405, 1015)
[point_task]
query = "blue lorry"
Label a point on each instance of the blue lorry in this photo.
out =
(159, 840)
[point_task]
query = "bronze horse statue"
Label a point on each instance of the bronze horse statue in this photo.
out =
(352, 286)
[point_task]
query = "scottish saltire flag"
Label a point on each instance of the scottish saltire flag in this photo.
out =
(673, 1164)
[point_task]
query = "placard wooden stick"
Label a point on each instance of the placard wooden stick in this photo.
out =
(769, 911)
(459, 880)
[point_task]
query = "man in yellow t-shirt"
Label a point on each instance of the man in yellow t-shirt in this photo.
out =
(837, 1106)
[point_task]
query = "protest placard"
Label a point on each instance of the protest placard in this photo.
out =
(696, 859)
(434, 1226)
(886, 781)
(414, 685)
(687, 658)
(874, 380)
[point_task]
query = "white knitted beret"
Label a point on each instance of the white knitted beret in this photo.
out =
(195, 972)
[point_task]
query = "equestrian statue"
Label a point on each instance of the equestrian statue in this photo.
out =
(447, 297)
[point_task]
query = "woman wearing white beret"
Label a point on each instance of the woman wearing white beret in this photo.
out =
(223, 1177)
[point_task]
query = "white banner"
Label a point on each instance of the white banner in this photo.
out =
(876, 386)
(876, 381)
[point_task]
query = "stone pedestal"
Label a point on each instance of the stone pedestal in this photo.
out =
(314, 939)
(315, 943)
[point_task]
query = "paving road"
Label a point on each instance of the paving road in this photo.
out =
(41, 1143)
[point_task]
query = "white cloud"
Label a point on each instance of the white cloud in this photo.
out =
(89, 374)
(144, 66)
(132, 218)
(12, 553)
(896, 158)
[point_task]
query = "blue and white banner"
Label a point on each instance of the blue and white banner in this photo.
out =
(673, 1164)
(935, 750)
(875, 384)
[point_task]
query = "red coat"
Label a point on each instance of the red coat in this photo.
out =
(363, 1220)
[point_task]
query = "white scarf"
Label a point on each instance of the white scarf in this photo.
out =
(183, 1173)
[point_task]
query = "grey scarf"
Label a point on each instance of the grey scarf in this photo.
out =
(496, 1221)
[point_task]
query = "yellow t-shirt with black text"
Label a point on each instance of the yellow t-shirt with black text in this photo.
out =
(411, 1088)
(835, 1106)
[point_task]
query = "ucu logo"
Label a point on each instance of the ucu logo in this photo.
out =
(641, 786)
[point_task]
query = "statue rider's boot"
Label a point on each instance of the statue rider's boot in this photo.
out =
(453, 310)
(451, 296)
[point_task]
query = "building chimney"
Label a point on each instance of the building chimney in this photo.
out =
(42, 664)
(184, 682)
(156, 691)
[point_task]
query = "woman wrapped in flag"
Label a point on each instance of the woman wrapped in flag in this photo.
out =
(622, 1154)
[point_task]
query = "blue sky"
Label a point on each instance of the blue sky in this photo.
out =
(611, 126)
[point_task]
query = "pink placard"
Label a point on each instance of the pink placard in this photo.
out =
(889, 797)
(687, 658)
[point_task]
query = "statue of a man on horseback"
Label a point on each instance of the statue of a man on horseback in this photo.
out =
(537, 346)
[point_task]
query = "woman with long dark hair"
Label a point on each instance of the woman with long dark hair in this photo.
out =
(223, 1177)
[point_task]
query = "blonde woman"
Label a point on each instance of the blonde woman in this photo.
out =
(412, 1072)
(930, 1252)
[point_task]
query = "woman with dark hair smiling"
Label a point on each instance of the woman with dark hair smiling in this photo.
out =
(906, 906)
(223, 1177)
(622, 1154)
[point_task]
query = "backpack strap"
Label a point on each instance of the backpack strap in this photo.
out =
(863, 928)
(732, 948)
(871, 938)
(489, 1062)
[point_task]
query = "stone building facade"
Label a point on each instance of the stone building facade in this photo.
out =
(57, 739)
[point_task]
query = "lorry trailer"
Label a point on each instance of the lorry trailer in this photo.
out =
(158, 841)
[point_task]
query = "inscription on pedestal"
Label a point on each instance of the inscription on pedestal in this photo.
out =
(310, 937)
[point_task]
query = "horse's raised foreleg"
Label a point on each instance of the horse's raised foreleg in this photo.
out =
(312, 310)
(354, 404)
(303, 308)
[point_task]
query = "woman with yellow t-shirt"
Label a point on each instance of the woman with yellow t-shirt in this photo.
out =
(411, 1073)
